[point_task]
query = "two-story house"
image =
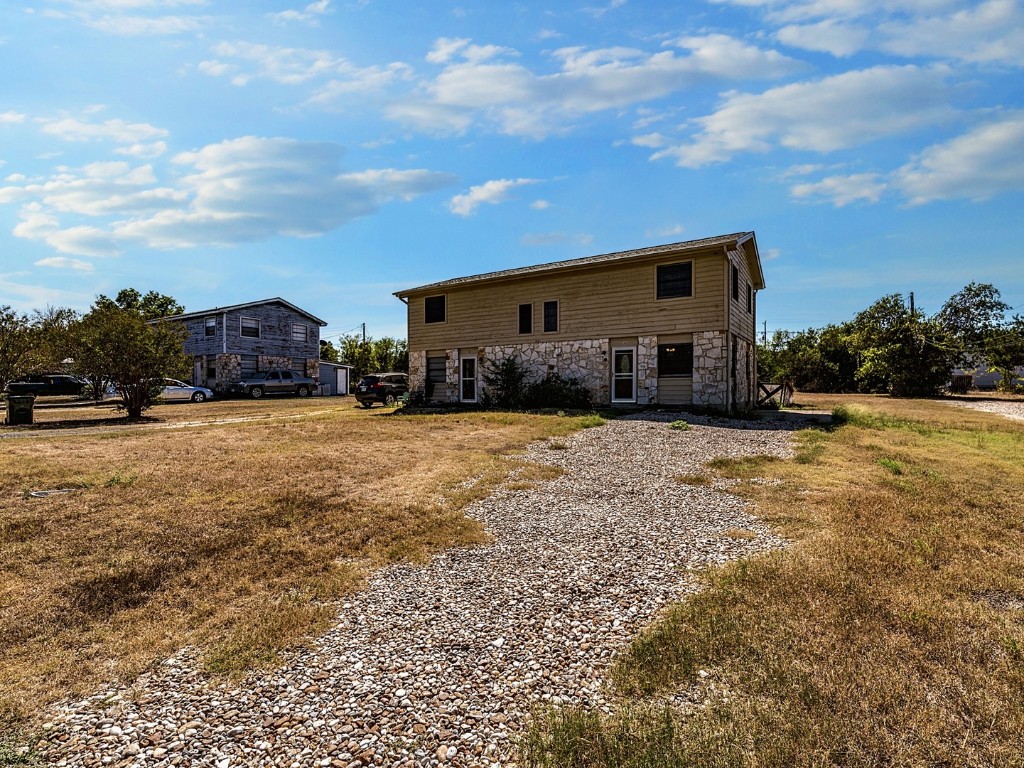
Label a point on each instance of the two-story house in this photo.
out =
(228, 343)
(669, 324)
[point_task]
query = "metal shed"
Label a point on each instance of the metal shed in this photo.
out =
(335, 378)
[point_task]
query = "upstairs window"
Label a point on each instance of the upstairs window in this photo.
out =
(675, 280)
(735, 283)
(251, 327)
(434, 309)
(750, 299)
(210, 326)
(675, 359)
(526, 318)
(550, 316)
(300, 332)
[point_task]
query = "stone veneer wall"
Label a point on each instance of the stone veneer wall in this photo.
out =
(451, 371)
(743, 396)
(647, 370)
(585, 360)
(266, 362)
(710, 369)
(417, 370)
(229, 370)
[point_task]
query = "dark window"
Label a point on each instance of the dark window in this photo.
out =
(735, 283)
(675, 280)
(675, 359)
(251, 327)
(750, 299)
(211, 326)
(550, 316)
(250, 364)
(526, 318)
(211, 367)
(434, 309)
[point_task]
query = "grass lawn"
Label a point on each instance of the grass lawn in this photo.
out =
(890, 633)
(232, 526)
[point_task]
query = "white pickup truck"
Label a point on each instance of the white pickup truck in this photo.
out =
(273, 382)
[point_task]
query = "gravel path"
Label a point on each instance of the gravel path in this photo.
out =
(440, 664)
(1011, 409)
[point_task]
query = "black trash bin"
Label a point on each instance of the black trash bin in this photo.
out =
(19, 409)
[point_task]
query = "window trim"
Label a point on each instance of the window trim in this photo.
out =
(259, 327)
(443, 296)
(305, 332)
(693, 286)
(520, 319)
(558, 316)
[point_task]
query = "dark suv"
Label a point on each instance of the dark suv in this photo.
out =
(384, 388)
(47, 384)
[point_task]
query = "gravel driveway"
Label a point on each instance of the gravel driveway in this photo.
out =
(1011, 409)
(441, 664)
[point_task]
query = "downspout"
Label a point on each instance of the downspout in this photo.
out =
(728, 332)
(224, 332)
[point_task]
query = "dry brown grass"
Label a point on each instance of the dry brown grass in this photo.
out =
(890, 633)
(232, 536)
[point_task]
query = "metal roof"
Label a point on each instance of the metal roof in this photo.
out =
(604, 258)
(218, 310)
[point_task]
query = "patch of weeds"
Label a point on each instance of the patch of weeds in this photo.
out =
(680, 425)
(591, 420)
(892, 465)
(12, 754)
(857, 416)
(119, 480)
(740, 533)
(557, 446)
(1014, 650)
(810, 446)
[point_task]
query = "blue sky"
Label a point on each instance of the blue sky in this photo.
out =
(333, 152)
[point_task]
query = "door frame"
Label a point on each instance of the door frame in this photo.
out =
(474, 379)
(615, 374)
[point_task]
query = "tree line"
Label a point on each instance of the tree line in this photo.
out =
(890, 347)
(382, 355)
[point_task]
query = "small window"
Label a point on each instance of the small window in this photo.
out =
(210, 325)
(250, 365)
(434, 309)
(526, 318)
(300, 332)
(675, 359)
(750, 299)
(251, 327)
(550, 316)
(675, 280)
(735, 283)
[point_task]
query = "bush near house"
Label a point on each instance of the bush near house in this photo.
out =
(507, 385)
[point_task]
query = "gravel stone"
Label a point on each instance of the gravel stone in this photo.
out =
(440, 664)
(1011, 409)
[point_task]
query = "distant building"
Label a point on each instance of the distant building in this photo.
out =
(670, 324)
(227, 343)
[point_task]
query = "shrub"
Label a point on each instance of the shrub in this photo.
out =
(507, 385)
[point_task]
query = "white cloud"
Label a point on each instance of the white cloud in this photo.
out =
(480, 85)
(650, 140)
(310, 14)
(836, 112)
(135, 26)
(989, 33)
(64, 262)
(131, 17)
(541, 239)
(843, 190)
(241, 190)
(143, 151)
(10, 118)
(771, 254)
(673, 231)
(490, 193)
(72, 129)
(979, 164)
(540, 205)
(830, 36)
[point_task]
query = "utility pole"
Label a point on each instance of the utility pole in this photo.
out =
(364, 328)
(911, 303)
(764, 336)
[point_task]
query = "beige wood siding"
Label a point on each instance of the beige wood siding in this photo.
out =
(741, 322)
(597, 302)
(675, 390)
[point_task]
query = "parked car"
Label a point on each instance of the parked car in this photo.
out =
(179, 390)
(384, 388)
(40, 384)
(273, 382)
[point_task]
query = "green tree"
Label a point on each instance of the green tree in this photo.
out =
(328, 351)
(118, 346)
(151, 306)
(970, 316)
(17, 338)
(1005, 351)
(53, 338)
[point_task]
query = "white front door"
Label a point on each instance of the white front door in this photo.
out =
(467, 382)
(342, 380)
(624, 375)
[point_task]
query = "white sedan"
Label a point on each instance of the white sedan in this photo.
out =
(179, 390)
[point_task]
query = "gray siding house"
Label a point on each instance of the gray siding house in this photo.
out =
(227, 343)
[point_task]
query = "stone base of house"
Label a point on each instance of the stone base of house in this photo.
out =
(588, 361)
